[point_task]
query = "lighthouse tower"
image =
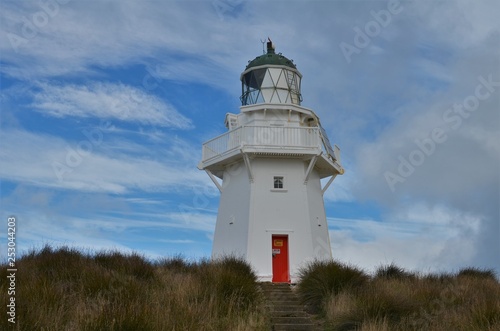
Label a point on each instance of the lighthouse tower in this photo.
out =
(268, 168)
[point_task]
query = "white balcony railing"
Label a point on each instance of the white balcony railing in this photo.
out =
(264, 137)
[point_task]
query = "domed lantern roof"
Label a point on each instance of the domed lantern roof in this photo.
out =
(270, 78)
(271, 58)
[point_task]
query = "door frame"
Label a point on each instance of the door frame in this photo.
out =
(273, 237)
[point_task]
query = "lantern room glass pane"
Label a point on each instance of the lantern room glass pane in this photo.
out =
(283, 95)
(268, 94)
(271, 85)
(267, 82)
(254, 78)
(282, 83)
(275, 75)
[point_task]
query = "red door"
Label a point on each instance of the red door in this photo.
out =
(281, 273)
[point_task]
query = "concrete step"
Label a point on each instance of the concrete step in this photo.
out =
(279, 286)
(284, 308)
(272, 291)
(294, 327)
(281, 294)
(288, 296)
(275, 285)
(291, 320)
(278, 303)
(272, 308)
(281, 313)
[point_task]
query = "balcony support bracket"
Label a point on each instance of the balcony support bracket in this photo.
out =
(328, 184)
(212, 177)
(311, 167)
(248, 165)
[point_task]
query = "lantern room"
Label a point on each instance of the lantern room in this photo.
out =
(270, 78)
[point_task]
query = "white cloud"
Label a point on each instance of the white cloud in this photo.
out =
(340, 188)
(418, 237)
(84, 35)
(97, 230)
(476, 21)
(108, 101)
(36, 228)
(461, 173)
(82, 166)
(177, 241)
(395, 91)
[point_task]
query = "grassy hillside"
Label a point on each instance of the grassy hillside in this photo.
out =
(394, 299)
(65, 289)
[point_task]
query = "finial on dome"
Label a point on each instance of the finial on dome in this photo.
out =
(270, 46)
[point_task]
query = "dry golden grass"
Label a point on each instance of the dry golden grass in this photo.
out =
(64, 289)
(398, 300)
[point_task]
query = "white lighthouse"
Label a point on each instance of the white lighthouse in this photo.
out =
(268, 168)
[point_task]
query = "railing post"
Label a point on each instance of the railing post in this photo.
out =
(265, 136)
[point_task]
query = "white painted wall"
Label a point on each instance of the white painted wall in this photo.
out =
(234, 206)
(258, 211)
(250, 212)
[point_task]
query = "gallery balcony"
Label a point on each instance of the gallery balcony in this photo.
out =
(272, 141)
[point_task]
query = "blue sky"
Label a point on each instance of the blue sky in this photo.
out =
(105, 106)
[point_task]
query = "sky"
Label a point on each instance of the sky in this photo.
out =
(105, 106)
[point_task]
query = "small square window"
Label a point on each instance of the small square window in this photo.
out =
(278, 182)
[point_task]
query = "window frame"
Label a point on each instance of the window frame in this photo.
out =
(278, 181)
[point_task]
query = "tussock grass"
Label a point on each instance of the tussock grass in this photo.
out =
(320, 279)
(395, 299)
(65, 289)
(477, 273)
(392, 271)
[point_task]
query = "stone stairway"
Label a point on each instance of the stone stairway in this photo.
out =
(286, 312)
